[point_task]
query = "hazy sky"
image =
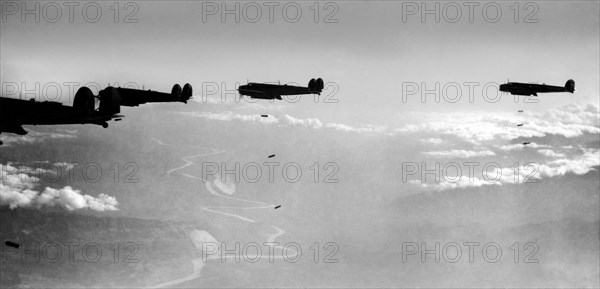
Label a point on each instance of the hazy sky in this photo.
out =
(369, 53)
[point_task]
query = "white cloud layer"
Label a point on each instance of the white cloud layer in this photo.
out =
(460, 153)
(569, 121)
(34, 137)
(525, 173)
(17, 190)
(287, 120)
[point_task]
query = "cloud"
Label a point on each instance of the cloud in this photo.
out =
(68, 131)
(39, 168)
(18, 177)
(432, 140)
(235, 102)
(65, 165)
(460, 153)
(475, 127)
(520, 146)
(230, 116)
(572, 113)
(524, 173)
(16, 190)
(495, 176)
(569, 121)
(286, 120)
(363, 129)
(34, 137)
(306, 122)
(73, 200)
(579, 165)
(550, 153)
(463, 182)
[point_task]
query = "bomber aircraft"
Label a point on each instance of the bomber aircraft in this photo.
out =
(275, 91)
(16, 112)
(518, 88)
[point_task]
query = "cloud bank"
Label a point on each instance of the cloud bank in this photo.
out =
(17, 191)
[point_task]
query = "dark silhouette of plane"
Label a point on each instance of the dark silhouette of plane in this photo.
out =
(526, 143)
(533, 89)
(12, 244)
(16, 112)
(275, 91)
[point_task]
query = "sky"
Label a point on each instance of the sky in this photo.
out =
(369, 53)
(370, 130)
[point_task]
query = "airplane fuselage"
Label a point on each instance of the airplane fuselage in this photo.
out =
(275, 91)
(519, 88)
(271, 91)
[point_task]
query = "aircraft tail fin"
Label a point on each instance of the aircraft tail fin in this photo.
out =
(186, 93)
(316, 85)
(570, 85)
(182, 94)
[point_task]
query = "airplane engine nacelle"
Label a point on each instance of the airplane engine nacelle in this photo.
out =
(312, 84)
(320, 84)
(186, 93)
(176, 91)
(84, 102)
(570, 85)
(110, 101)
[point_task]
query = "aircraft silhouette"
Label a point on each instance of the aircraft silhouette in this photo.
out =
(533, 89)
(16, 112)
(275, 91)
